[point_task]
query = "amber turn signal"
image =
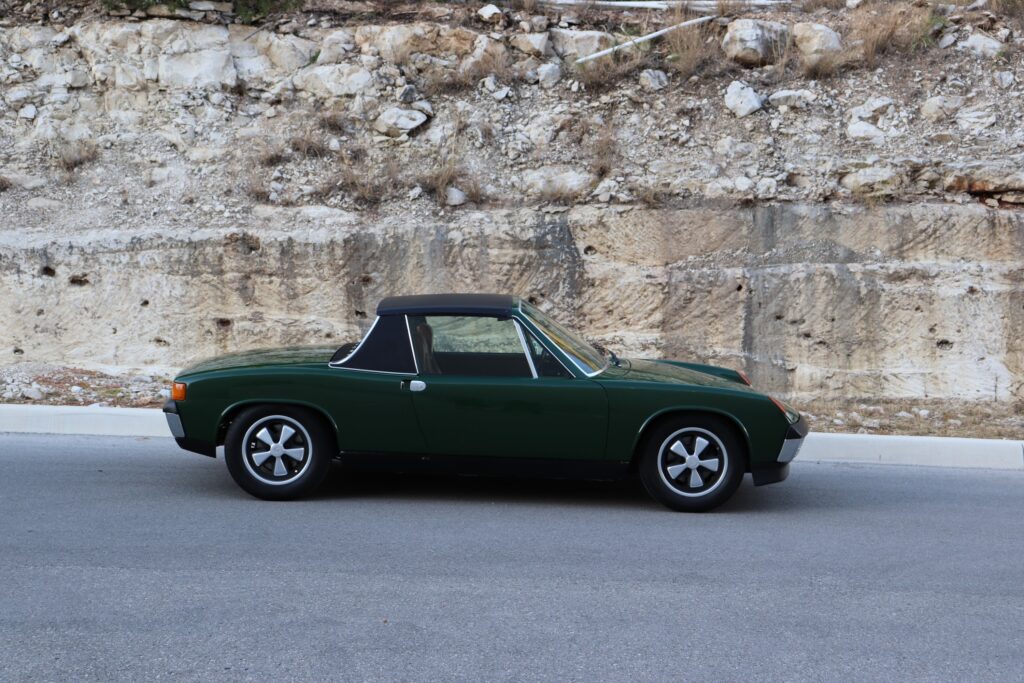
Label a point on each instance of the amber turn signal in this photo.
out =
(743, 376)
(778, 404)
(178, 391)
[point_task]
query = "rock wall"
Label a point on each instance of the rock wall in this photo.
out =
(173, 189)
(815, 301)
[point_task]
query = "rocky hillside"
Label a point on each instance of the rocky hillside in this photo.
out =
(829, 195)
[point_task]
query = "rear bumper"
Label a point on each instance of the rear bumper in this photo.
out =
(774, 472)
(178, 432)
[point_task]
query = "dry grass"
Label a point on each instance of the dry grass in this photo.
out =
(690, 49)
(893, 29)
(73, 155)
(308, 146)
(460, 80)
(474, 191)
(653, 196)
(367, 184)
(273, 155)
(437, 180)
(1011, 9)
(813, 5)
(528, 6)
(5, 183)
(337, 123)
(828, 65)
(554, 194)
(604, 152)
(727, 8)
(601, 74)
(257, 188)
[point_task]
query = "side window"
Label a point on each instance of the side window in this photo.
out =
(543, 360)
(474, 346)
(385, 348)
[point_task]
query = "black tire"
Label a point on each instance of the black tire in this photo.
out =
(281, 474)
(688, 446)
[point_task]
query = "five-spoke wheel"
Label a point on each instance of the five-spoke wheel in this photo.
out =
(693, 462)
(278, 452)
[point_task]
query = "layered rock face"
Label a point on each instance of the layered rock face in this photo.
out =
(173, 189)
(816, 302)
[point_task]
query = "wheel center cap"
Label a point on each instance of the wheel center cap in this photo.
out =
(277, 450)
(692, 462)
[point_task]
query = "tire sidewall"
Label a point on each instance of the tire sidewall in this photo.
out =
(321, 444)
(650, 469)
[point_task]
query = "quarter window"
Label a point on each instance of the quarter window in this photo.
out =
(474, 346)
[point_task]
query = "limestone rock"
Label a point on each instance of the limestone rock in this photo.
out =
(875, 180)
(862, 130)
(453, 196)
(396, 121)
(983, 45)
(741, 99)
(752, 42)
(571, 45)
(263, 59)
(798, 99)
(558, 181)
(653, 79)
(940, 107)
(975, 120)
(490, 14)
(336, 46)
(816, 42)
(1004, 79)
(984, 177)
(548, 75)
(334, 80)
(534, 44)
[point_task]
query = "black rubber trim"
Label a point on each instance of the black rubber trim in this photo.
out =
(772, 473)
(171, 407)
(447, 304)
(799, 429)
(196, 446)
(539, 468)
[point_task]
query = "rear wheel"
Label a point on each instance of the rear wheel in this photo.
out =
(692, 463)
(278, 452)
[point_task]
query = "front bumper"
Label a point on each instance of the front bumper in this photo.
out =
(777, 471)
(178, 432)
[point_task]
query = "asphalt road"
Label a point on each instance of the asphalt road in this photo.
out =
(127, 559)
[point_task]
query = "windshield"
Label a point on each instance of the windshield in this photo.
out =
(588, 359)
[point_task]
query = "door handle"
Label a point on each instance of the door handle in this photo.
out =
(414, 385)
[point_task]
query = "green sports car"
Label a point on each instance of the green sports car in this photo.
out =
(481, 383)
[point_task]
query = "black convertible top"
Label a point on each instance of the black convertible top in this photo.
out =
(448, 304)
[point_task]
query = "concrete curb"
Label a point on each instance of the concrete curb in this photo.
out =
(934, 451)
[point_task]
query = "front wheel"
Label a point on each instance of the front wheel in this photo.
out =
(278, 452)
(693, 463)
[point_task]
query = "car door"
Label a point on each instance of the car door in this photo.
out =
(478, 394)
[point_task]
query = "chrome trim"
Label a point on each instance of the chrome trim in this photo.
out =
(337, 364)
(564, 352)
(526, 349)
(174, 424)
(548, 348)
(412, 347)
(790, 447)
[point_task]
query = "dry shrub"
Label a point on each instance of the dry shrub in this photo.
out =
(438, 179)
(462, 79)
(367, 184)
(258, 188)
(73, 155)
(827, 65)
(555, 194)
(5, 183)
(893, 29)
(690, 49)
(726, 8)
(813, 5)
(473, 190)
(337, 123)
(1011, 9)
(604, 152)
(603, 73)
(273, 155)
(653, 196)
(308, 146)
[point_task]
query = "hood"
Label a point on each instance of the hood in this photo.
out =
(295, 355)
(664, 373)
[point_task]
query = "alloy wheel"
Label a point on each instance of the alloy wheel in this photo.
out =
(693, 462)
(277, 449)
